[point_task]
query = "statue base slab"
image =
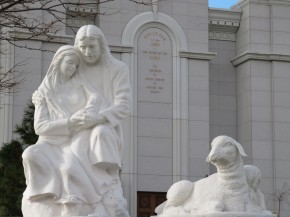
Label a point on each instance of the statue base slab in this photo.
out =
(47, 208)
(222, 214)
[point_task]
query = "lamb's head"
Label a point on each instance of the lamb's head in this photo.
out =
(224, 151)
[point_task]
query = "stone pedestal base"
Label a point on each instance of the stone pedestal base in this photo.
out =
(223, 214)
(46, 208)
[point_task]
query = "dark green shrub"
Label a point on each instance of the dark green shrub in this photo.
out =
(12, 180)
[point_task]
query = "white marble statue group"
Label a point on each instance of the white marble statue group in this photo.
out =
(73, 169)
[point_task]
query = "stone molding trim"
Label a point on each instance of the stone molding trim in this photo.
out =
(222, 36)
(259, 56)
(87, 6)
(147, 18)
(121, 49)
(63, 39)
(182, 54)
(243, 3)
(92, 10)
(222, 214)
(195, 55)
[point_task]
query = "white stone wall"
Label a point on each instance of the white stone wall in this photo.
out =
(262, 90)
(222, 88)
(255, 119)
(280, 27)
(154, 110)
(254, 33)
(192, 16)
(281, 125)
(198, 125)
(262, 120)
(264, 27)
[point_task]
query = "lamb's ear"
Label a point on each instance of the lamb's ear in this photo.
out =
(241, 150)
(207, 159)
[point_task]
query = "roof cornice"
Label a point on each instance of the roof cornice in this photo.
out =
(224, 20)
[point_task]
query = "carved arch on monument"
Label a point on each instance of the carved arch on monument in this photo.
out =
(130, 36)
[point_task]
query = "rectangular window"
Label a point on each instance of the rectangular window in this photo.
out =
(79, 16)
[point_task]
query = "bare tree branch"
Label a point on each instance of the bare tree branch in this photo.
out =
(10, 80)
(30, 16)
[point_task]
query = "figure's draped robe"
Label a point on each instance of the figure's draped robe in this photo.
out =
(65, 166)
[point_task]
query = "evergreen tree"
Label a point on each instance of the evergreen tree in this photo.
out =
(12, 180)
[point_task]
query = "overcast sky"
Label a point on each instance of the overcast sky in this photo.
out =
(221, 3)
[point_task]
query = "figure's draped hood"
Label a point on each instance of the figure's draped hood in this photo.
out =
(51, 83)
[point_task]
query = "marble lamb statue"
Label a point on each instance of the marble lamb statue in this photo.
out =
(232, 191)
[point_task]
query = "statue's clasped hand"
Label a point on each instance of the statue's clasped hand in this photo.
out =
(83, 119)
(37, 98)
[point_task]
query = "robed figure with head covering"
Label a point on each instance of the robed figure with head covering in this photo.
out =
(74, 167)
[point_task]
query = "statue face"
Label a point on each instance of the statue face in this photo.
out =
(68, 66)
(90, 50)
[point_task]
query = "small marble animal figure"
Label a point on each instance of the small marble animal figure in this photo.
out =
(253, 175)
(225, 191)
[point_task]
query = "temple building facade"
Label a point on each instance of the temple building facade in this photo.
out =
(196, 73)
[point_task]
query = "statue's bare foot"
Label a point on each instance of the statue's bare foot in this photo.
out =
(100, 211)
(70, 209)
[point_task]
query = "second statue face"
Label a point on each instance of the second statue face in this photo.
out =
(90, 50)
(69, 65)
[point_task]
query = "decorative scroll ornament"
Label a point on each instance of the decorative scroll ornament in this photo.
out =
(155, 8)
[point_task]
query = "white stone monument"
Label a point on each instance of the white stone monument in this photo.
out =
(73, 169)
(231, 192)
